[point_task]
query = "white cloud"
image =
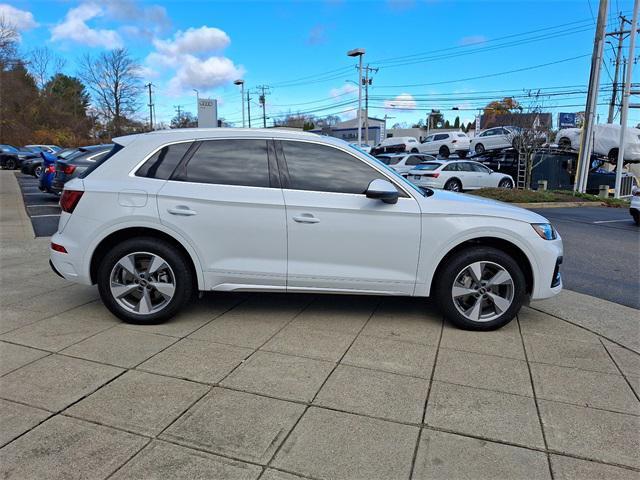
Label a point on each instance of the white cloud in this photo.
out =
(344, 90)
(472, 40)
(74, 28)
(404, 101)
(193, 41)
(21, 19)
(195, 56)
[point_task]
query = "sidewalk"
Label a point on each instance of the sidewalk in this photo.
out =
(283, 387)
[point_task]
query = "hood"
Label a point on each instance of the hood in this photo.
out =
(464, 204)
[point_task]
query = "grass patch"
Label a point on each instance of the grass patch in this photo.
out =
(545, 196)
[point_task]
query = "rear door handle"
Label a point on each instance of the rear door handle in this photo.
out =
(182, 210)
(306, 218)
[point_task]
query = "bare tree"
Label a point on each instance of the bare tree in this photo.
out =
(114, 82)
(8, 42)
(44, 64)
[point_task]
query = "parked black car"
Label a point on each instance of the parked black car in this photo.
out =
(76, 163)
(12, 157)
(33, 166)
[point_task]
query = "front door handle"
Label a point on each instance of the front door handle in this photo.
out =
(306, 218)
(182, 210)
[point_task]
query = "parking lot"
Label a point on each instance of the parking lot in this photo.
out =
(278, 386)
(42, 208)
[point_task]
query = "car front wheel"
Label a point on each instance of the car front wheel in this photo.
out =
(479, 149)
(480, 288)
(505, 183)
(144, 280)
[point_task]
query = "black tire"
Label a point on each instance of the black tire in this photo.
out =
(462, 154)
(613, 155)
(444, 151)
(564, 143)
(414, 150)
(453, 185)
(448, 273)
(10, 164)
(37, 171)
(479, 149)
(184, 279)
(505, 183)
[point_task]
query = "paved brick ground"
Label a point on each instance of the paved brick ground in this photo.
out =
(277, 387)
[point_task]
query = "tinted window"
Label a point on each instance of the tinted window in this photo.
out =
(413, 160)
(452, 167)
(462, 135)
(162, 163)
(464, 167)
(441, 136)
(326, 169)
(228, 162)
(429, 138)
(429, 166)
(479, 168)
(100, 160)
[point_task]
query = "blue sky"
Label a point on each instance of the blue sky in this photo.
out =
(429, 53)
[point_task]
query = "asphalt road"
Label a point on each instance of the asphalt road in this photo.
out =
(601, 252)
(42, 208)
(601, 256)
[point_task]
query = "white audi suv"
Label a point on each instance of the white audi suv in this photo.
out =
(169, 213)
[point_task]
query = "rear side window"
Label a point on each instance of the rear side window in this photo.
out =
(162, 163)
(99, 160)
(228, 162)
(326, 169)
(441, 136)
(429, 166)
(452, 167)
(413, 160)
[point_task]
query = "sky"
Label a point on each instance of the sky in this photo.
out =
(429, 54)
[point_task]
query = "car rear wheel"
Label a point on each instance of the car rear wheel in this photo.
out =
(481, 288)
(613, 155)
(38, 171)
(10, 164)
(414, 150)
(462, 154)
(453, 185)
(479, 149)
(564, 143)
(444, 151)
(505, 183)
(144, 280)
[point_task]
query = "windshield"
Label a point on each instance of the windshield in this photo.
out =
(8, 148)
(396, 176)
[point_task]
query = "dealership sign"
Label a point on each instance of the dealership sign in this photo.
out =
(567, 120)
(207, 113)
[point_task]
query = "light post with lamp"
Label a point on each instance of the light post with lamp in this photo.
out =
(241, 83)
(359, 52)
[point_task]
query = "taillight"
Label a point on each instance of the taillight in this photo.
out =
(69, 169)
(432, 175)
(69, 200)
(58, 248)
(51, 169)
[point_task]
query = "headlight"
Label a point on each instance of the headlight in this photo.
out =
(545, 230)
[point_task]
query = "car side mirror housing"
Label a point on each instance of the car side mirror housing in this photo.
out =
(383, 190)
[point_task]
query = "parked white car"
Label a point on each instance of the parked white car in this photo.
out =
(398, 144)
(170, 212)
(365, 147)
(444, 144)
(493, 139)
(402, 162)
(606, 141)
(458, 175)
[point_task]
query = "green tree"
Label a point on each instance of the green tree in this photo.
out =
(456, 122)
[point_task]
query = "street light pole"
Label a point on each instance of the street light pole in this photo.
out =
(626, 93)
(359, 52)
(241, 83)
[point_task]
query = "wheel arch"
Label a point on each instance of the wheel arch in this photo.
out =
(126, 233)
(499, 243)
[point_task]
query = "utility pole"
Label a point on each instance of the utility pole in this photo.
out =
(249, 107)
(149, 85)
(367, 81)
(359, 52)
(262, 99)
(614, 93)
(626, 93)
(586, 143)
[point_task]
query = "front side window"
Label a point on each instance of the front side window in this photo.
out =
(428, 139)
(228, 162)
(441, 136)
(162, 163)
(479, 168)
(452, 167)
(326, 169)
(465, 167)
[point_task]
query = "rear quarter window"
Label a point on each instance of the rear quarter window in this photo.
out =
(163, 162)
(99, 160)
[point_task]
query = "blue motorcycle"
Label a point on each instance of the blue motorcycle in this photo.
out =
(48, 172)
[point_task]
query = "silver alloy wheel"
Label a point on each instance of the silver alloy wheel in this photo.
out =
(483, 291)
(506, 183)
(142, 283)
(38, 171)
(454, 186)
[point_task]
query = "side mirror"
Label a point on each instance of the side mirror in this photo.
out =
(383, 190)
